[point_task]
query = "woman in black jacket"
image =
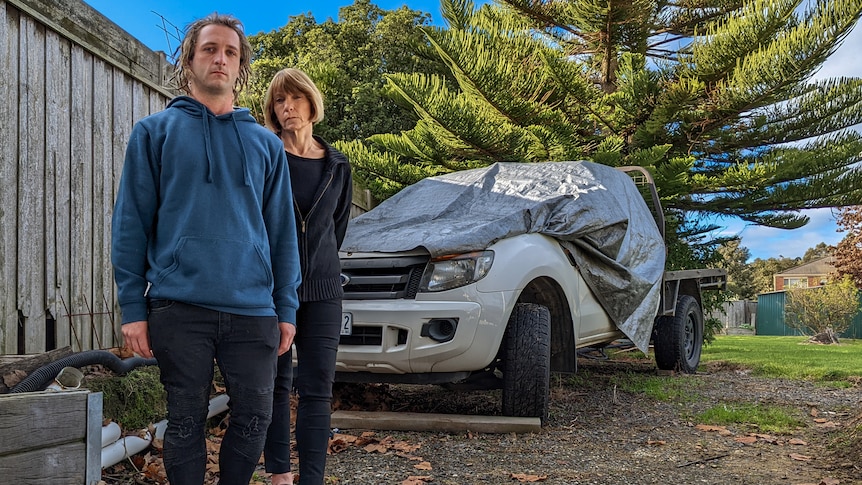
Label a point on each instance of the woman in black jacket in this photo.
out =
(322, 190)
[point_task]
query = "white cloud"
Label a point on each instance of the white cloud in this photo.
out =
(845, 60)
(766, 242)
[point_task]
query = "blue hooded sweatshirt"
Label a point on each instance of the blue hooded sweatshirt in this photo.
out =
(204, 215)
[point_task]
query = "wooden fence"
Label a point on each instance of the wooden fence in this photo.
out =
(735, 315)
(72, 86)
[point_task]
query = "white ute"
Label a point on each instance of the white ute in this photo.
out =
(494, 277)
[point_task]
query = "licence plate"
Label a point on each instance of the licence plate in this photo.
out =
(346, 323)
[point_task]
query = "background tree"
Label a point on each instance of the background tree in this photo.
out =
(821, 250)
(826, 311)
(715, 98)
(848, 252)
(347, 60)
(740, 275)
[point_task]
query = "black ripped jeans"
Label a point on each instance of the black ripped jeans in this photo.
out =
(185, 339)
(317, 335)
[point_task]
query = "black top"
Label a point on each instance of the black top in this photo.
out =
(305, 175)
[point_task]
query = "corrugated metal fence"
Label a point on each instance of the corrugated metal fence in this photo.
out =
(72, 86)
(770, 317)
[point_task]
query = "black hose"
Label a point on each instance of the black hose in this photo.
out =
(40, 378)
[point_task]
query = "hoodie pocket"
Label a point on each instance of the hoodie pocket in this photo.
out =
(219, 272)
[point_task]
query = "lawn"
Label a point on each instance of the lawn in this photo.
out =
(789, 357)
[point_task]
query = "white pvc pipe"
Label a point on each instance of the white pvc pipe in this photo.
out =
(218, 405)
(124, 448)
(121, 449)
(110, 432)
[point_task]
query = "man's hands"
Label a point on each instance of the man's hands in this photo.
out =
(136, 338)
(288, 331)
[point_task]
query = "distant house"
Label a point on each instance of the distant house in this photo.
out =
(807, 275)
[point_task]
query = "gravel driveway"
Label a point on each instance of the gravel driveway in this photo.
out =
(598, 433)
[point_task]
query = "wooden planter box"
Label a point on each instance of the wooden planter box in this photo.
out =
(51, 437)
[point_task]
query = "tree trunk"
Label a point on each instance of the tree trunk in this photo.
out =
(825, 337)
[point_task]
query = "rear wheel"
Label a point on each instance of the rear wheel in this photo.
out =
(679, 339)
(527, 362)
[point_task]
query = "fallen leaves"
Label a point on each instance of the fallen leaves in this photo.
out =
(824, 481)
(417, 480)
(798, 457)
(747, 440)
(525, 478)
(722, 430)
(753, 438)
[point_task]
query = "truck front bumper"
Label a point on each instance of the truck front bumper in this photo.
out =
(388, 335)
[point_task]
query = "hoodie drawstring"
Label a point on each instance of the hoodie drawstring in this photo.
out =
(205, 119)
(245, 174)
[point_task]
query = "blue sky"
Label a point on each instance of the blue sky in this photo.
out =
(143, 21)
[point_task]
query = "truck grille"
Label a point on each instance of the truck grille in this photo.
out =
(363, 336)
(383, 278)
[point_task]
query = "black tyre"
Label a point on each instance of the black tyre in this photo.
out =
(527, 362)
(679, 339)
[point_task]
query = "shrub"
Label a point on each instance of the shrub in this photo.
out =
(824, 309)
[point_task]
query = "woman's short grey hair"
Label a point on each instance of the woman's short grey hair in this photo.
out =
(291, 80)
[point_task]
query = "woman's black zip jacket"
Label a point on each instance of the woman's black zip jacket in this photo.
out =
(321, 231)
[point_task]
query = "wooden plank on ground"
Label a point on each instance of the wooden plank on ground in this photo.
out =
(61, 464)
(393, 421)
(32, 420)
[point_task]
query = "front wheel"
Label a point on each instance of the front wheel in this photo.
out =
(679, 339)
(527, 362)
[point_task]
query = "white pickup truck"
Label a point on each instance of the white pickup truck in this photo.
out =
(496, 276)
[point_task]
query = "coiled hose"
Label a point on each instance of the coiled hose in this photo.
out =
(40, 378)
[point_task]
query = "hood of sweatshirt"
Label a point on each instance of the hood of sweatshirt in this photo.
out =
(196, 109)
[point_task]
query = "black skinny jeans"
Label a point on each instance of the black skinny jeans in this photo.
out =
(318, 324)
(185, 339)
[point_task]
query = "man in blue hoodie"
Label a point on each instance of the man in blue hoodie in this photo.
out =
(205, 254)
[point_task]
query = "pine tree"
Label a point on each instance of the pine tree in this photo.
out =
(714, 97)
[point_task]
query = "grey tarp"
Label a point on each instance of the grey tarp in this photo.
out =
(594, 210)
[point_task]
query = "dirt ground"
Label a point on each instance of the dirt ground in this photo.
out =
(599, 433)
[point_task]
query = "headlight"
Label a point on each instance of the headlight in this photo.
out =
(452, 271)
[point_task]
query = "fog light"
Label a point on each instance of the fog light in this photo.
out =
(440, 329)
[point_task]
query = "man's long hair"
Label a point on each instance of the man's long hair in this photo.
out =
(186, 51)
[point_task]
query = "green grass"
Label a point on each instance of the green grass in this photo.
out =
(766, 418)
(766, 356)
(657, 387)
(788, 357)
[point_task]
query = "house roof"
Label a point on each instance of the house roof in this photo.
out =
(819, 267)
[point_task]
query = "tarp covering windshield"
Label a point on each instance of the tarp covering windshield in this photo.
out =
(594, 210)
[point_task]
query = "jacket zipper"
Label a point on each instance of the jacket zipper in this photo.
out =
(303, 220)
